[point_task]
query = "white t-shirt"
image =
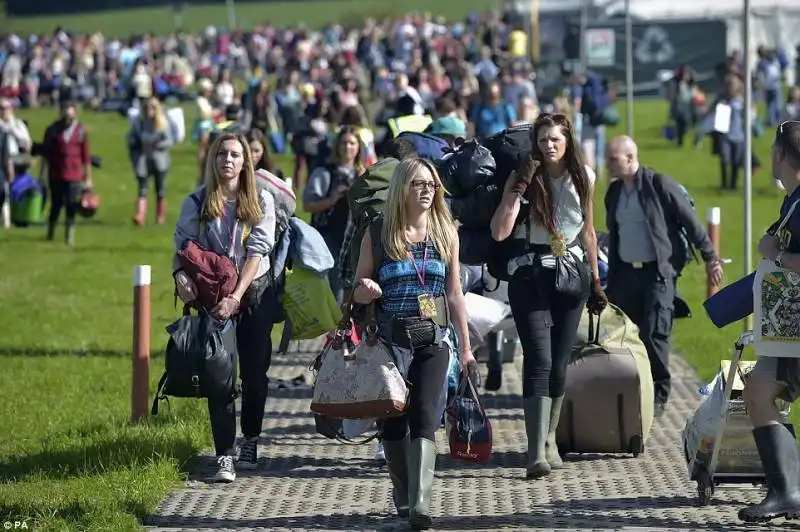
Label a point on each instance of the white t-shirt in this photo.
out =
(568, 210)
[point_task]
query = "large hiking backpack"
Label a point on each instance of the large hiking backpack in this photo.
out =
(367, 199)
(508, 147)
(478, 247)
(685, 251)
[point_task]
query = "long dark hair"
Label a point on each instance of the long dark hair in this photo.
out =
(266, 162)
(532, 170)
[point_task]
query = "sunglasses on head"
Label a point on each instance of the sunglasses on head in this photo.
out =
(779, 131)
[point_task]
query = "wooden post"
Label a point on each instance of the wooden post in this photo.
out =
(714, 219)
(140, 382)
(534, 43)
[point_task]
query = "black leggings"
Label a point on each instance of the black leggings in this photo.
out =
(161, 180)
(547, 323)
(426, 377)
(64, 195)
(254, 347)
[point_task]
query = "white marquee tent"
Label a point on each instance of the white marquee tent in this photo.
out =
(774, 22)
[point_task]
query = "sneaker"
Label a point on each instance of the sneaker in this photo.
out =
(225, 473)
(380, 455)
(248, 454)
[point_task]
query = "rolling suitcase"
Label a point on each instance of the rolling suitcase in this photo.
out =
(608, 403)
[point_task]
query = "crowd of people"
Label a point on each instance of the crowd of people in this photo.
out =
(343, 102)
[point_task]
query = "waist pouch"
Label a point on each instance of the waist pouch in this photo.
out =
(413, 332)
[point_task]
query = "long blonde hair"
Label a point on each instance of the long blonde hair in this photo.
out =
(441, 227)
(159, 119)
(248, 204)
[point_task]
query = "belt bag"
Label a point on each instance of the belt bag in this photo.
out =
(413, 332)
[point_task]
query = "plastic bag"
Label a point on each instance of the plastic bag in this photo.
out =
(310, 304)
(485, 315)
(469, 166)
(701, 428)
(353, 428)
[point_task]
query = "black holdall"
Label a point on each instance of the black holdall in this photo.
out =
(200, 360)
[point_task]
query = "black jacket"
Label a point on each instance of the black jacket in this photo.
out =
(667, 211)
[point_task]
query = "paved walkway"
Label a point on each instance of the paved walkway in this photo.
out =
(307, 482)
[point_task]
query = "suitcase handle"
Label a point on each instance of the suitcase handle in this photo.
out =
(594, 329)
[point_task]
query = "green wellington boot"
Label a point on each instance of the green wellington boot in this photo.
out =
(421, 465)
(395, 452)
(537, 423)
(550, 447)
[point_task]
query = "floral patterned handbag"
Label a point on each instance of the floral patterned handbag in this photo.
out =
(358, 382)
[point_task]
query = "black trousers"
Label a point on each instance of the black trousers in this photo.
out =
(547, 323)
(731, 161)
(161, 180)
(254, 348)
(64, 195)
(648, 300)
(426, 377)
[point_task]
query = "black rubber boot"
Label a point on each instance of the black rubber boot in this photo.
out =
(51, 230)
(778, 451)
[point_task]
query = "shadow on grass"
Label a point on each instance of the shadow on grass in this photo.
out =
(13, 351)
(100, 448)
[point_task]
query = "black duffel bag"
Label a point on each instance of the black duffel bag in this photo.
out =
(465, 169)
(200, 359)
(509, 148)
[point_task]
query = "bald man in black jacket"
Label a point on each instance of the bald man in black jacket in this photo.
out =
(646, 213)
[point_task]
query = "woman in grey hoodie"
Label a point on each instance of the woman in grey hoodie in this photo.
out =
(149, 141)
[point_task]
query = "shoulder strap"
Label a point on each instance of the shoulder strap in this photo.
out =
(786, 218)
(376, 236)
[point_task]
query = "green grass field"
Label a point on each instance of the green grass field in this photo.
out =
(312, 13)
(69, 459)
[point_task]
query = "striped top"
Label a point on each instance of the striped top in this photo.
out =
(400, 284)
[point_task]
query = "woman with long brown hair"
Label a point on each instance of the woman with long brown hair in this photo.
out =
(325, 196)
(231, 215)
(554, 228)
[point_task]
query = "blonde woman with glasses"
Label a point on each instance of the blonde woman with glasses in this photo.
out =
(409, 264)
(149, 141)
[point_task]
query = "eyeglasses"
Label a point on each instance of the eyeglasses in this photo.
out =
(420, 185)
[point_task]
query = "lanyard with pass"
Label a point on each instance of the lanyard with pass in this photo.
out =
(427, 305)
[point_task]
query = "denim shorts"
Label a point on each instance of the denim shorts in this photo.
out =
(784, 371)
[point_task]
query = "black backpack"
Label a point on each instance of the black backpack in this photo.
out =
(509, 147)
(200, 359)
(478, 247)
